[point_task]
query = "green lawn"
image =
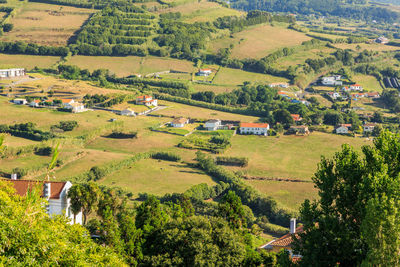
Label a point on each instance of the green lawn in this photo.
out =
(287, 156)
(234, 77)
(157, 177)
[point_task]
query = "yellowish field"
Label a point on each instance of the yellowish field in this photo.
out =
(125, 66)
(26, 61)
(288, 194)
(46, 24)
(259, 41)
(372, 46)
(157, 177)
(182, 110)
(214, 88)
(288, 156)
(202, 11)
(301, 56)
(234, 77)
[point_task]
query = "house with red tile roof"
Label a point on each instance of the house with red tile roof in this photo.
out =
(56, 194)
(296, 117)
(343, 129)
(254, 128)
(369, 127)
(356, 87)
(285, 242)
(146, 100)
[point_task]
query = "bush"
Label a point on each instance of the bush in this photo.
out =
(121, 135)
(44, 151)
(67, 125)
(232, 161)
(7, 27)
(166, 156)
(96, 173)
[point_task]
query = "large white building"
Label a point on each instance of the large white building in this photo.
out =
(213, 125)
(146, 100)
(254, 128)
(54, 192)
(332, 80)
(11, 73)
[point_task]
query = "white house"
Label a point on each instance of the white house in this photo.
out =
(34, 103)
(356, 87)
(254, 128)
(12, 73)
(369, 127)
(334, 95)
(281, 84)
(382, 40)
(179, 122)
(127, 112)
(54, 192)
(204, 72)
(373, 95)
(213, 125)
(343, 129)
(20, 101)
(331, 81)
(146, 100)
(75, 107)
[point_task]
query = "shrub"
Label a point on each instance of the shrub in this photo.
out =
(232, 161)
(67, 125)
(44, 151)
(96, 173)
(166, 156)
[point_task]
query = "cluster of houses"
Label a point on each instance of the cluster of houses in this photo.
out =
(345, 128)
(355, 96)
(145, 100)
(295, 101)
(70, 104)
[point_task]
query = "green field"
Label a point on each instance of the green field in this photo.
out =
(234, 77)
(26, 61)
(157, 177)
(287, 156)
(258, 41)
(368, 82)
(125, 66)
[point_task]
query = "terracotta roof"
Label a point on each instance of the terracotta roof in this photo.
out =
(65, 101)
(286, 240)
(345, 125)
(281, 93)
(22, 187)
(296, 117)
(76, 104)
(254, 125)
(143, 97)
(205, 70)
(355, 85)
(179, 121)
(369, 125)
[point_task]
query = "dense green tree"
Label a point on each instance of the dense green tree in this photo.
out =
(231, 209)
(29, 237)
(84, 197)
(356, 195)
(283, 116)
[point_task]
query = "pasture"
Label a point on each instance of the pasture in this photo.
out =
(287, 156)
(157, 177)
(289, 194)
(368, 82)
(46, 24)
(27, 61)
(234, 77)
(125, 66)
(259, 41)
(369, 47)
(202, 11)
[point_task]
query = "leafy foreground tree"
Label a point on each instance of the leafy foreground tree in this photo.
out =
(28, 237)
(356, 221)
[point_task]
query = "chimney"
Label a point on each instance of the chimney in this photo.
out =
(293, 225)
(46, 190)
(14, 176)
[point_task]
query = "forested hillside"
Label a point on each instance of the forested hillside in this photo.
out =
(350, 9)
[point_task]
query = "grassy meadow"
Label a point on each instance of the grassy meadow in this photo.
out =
(258, 41)
(27, 61)
(234, 77)
(125, 66)
(46, 24)
(287, 156)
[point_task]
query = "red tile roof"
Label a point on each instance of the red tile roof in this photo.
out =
(143, 97)
(296, 117)
(22, 187)
(286, 240)
(355, 85)
(254, 125)
(345, 125)
(65, 101)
